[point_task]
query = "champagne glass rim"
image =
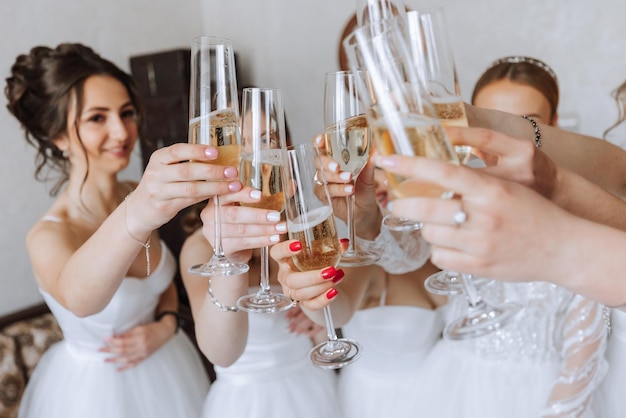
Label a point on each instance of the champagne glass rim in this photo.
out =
(212, 40)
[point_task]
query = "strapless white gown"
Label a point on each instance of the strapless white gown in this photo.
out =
(73, 381)
(273, 377)
(556, 341)
(610, 400)
(396, 340)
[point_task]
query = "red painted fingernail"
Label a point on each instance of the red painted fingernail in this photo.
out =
(295, 246)
(344, 240)
(340, 274)
(332, 293)
(329, 273)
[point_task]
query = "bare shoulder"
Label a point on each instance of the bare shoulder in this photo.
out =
(50, 243)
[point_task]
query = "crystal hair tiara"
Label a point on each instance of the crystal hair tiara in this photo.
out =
(517, 59)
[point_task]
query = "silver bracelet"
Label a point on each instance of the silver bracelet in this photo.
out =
(220, 305)
(145, 245)
(537, 130)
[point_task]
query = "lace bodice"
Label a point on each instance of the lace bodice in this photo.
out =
(554, 325)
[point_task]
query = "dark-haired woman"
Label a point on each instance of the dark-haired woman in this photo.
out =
(95, 253)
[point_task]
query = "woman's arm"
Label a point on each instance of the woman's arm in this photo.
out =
(595, 159)
(83, 275)
(221, 335)
(518, 160)
(583, 366)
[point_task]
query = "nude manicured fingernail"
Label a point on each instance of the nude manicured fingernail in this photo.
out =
(348, 189)
(333, 166)
(255, 194)
(211, 152)
(281, 227)
(275, 238)
(389, 161)
(235, 186)
(345, 175)
(230, 172)
(332, 293)
(319, 140)
(273, 216)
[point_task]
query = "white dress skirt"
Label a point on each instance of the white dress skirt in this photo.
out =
(273, 377)
(396, 341)
(72, 379)
(610, 400)
(547, 363)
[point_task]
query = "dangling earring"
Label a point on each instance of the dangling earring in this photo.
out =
(65, 154)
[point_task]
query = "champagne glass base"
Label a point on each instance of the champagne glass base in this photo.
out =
(480, 321)
(265, 302)
(400, 225)
(445, 283)
(358, 259)
(448, 283)
(219, 266)
(335, 354)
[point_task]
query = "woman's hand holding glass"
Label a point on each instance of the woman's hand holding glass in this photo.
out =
(312, 289)
(243, 228)
(175, 178)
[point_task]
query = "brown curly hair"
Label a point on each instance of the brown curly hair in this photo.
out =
(39, 93)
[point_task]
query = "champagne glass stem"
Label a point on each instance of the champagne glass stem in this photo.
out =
(265, 273)
(219, 248)
(330, 327)
(350, 205)
(471, 291)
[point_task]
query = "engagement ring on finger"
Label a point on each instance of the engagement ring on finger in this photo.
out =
(460, 216)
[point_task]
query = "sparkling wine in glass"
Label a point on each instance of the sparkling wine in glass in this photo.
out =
(214, 120)
(347, 138)
(263, 155)
(432, 51)
(310, 220)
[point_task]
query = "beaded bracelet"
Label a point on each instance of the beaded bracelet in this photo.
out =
(220, 305)
(536, 128)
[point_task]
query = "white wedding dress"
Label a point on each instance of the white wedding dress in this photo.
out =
(396, 341)
(547, 363)
(273, 377)
(72, 379)
(610, 399)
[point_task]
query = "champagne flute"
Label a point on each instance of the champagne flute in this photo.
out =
(310, 220)
(432, 52)
(374, 11)
(347, 140)
(263, 148)
(400, 115)
(214, 120)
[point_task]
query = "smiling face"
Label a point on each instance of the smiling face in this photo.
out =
(516, 98)
(106, 130)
